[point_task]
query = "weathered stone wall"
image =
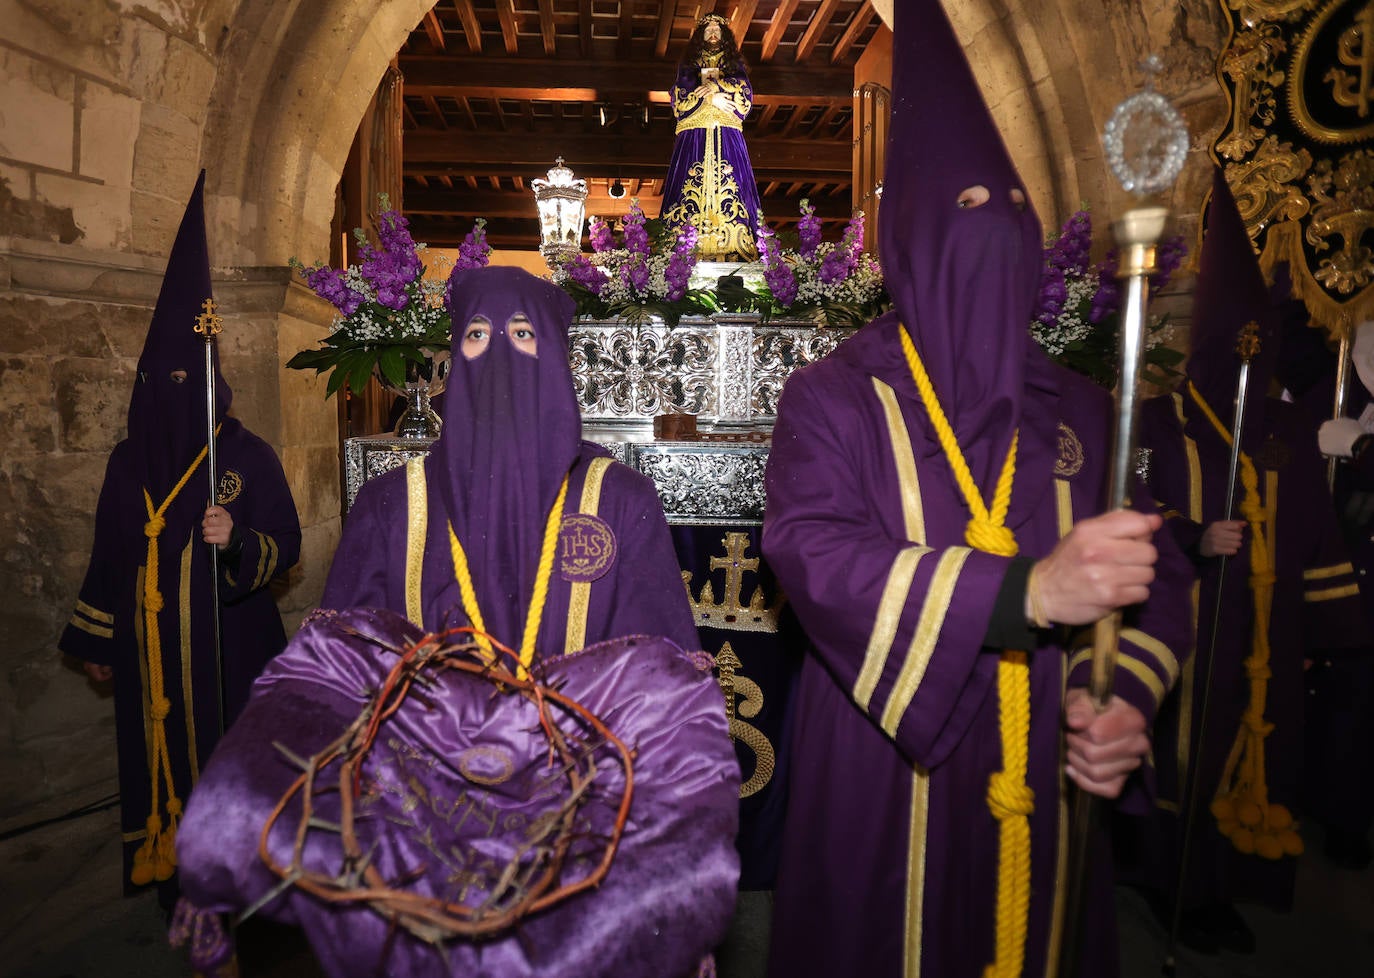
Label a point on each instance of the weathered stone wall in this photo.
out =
(108, 110)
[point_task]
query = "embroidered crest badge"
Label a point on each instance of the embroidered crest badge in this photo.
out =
(1070, 459)
(586, 548)
(230, 485)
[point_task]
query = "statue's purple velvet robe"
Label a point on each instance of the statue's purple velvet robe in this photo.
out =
(890, 853)
(698, 120)
(166, 430)
(1315, 599)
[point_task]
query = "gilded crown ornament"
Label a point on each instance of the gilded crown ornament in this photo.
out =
(757, 616)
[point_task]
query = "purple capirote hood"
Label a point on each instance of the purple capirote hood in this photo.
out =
(512, 431)
(963, 279)
(167, 418)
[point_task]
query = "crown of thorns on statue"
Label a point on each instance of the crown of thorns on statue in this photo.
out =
(713, 19)
(532, 879)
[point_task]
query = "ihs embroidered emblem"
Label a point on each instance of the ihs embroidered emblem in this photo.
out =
(230, 485)
(1070, 459)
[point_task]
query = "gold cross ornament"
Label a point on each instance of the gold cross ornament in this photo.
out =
(209, 323)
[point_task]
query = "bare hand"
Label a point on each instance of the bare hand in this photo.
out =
(1222, 537)
(722, 101)
(98, 673)
(217, 526)
(1104, 563)
(1103, 748)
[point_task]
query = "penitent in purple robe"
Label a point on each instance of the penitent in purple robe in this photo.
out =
(890, 852)
(1315, 601)
(511, 432)
(444, 816)
(166, 431)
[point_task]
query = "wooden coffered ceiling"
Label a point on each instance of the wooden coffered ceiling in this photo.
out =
(495, 90)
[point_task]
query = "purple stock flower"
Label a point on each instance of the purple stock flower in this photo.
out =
(474, 252)
(328, 283)
(599, 233)
(1169, 256)
(635, 238)
(1069, 251)
(808, 231)
(584, 273)
(679, 270)
(635, 275)
(777, 274)
(1053, 293)
(1107, 298)
(836, 266)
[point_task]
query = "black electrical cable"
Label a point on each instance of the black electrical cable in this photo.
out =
(91, 808)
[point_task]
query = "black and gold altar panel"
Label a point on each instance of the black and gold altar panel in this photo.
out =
(1298, 147)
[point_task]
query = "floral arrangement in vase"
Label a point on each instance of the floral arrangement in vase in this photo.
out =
(1078, 309)
(648, 271)
(632, 279)
(832, 281)
(392, 321)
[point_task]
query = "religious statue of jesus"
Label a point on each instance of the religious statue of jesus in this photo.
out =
(710, 181)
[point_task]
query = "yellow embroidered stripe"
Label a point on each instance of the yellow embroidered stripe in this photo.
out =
(913, 517)
(188, 557)
(1332, 593)
(1063, 499)
(263, 553)
(1315, 574)
(933, 611)
(1145, 674)
(885, 622)
(99, 631)
(580, 597)
(94, 614)
(417, 525)
(1187, 680)
(916, 870)
(1162, 655)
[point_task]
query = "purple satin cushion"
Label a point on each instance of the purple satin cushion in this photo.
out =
(452, 783)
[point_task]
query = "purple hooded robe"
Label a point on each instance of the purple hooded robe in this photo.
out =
(511, 432)
(1316, 602)
(166, 431)
(890, 853)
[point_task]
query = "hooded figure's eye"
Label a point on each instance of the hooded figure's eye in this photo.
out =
(971, 197)
(522, 335)
(476, 338)
(178, 376)
(1018, 198)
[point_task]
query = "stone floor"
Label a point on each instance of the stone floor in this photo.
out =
(62, 916)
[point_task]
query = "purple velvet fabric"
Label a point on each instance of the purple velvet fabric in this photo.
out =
(670, 892)
(166, 431)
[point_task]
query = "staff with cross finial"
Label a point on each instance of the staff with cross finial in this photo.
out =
(208, 325)
(1146, 142)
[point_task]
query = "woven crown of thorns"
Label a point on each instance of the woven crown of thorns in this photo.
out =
(529, 882)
